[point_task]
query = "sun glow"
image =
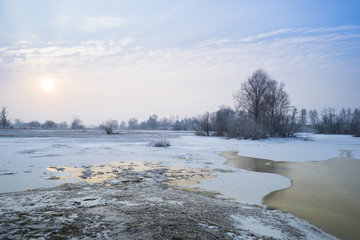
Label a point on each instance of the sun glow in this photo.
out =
(47, 85)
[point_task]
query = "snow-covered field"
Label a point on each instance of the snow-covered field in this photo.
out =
(25, 155)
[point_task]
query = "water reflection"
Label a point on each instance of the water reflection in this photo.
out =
(325, 193)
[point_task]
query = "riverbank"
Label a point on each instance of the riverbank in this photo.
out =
(141, 206)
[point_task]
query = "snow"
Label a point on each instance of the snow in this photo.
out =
(270, 226)
(256, 226)
(316, 148)
(109, 211)
(26, 155)
(23, 160)
(245, 186)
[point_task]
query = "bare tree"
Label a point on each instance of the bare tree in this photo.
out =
(265, 102)
(18, 123)
(251, 95)
(115, 124)
(152, 122)
(293, 126)
(314, 117)
(344, 120)
(245, 127)
(108, 126)
(223, 119)
(123, 125)
(133, 123)
(355, 122)
(33, 124)
(77, 123)
(328, 123)
(48, 124)
(62, 125)
(303, 117)
(3, 118)
(276, 107)
(204, 124)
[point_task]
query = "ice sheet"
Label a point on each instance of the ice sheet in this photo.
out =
(23, 160)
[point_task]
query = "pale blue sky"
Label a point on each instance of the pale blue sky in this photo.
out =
(122, 59)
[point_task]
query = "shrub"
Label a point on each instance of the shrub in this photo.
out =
(161, 142)
(108, 126)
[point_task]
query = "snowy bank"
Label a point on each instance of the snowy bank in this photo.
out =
(144, 209)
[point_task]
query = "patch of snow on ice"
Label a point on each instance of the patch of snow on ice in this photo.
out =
(155, 199)
(257, 227)
(130, 204)
(245, 186)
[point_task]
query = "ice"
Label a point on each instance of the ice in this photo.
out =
(256, 226)
(313, 148)
(26, 155)
(271, 226)
(245, 186)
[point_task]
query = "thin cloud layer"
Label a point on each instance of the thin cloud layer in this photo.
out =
(190, 79)
(90, 24)
(266, 49)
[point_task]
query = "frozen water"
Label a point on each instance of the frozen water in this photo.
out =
(256, 226)
(25, 154)
(245, 186)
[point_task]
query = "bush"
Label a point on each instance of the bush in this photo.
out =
(109, 126)
(162, 142)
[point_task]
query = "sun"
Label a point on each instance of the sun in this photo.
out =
(47, 85)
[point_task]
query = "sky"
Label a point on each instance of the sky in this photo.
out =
(123, 59)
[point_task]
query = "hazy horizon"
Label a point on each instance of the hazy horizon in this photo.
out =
(124, 59)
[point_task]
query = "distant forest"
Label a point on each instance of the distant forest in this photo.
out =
(262, 109)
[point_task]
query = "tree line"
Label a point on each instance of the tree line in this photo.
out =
(152, 123)
(345, 121)
(262, 109)
(5, 122)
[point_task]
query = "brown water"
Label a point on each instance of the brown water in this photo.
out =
(176, 176)
(326, 193)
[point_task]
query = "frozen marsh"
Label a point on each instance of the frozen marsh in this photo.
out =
(103, 167)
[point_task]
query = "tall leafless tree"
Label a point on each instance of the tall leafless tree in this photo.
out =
(251, 96)
(355, 122)
(265, 101)
(205, 124)
(276, 107)
(303, 117)
(314, 117)
(3, 118)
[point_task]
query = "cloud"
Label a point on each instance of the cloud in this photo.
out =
(126, 41)
(198, 77)
(333, 29)
(213, 42)
(91, 24)
(310, 33)
(265, 35)
(296, 44)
